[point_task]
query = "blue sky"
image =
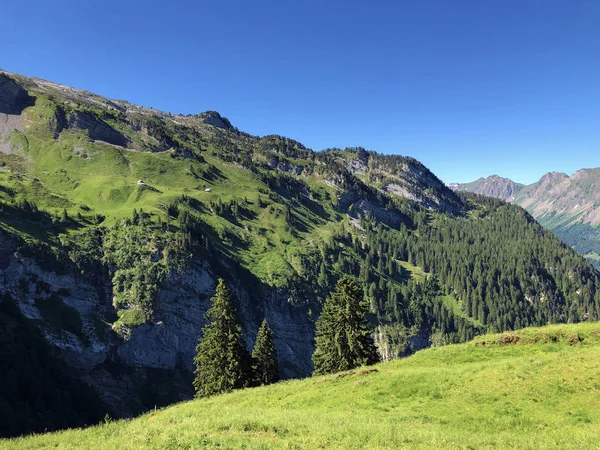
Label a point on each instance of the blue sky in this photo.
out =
(469, 87)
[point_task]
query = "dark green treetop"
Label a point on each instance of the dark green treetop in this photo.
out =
(222, 360)
(264, 357)
(343, 338)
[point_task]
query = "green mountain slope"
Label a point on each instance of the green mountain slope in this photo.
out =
(537, 388)
(116, 221)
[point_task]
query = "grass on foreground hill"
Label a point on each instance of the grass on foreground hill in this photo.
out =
(535, 388)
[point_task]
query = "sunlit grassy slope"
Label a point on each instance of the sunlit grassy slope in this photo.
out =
(74, 174)
(536, 388)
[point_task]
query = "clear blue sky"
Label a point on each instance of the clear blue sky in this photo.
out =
(469, 87)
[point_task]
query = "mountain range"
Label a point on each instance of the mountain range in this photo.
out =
(117, 220)
(567, 205)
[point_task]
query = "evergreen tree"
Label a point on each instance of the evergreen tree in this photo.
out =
(343, 338)
(135, 219)
(222, 360)
(264, 357)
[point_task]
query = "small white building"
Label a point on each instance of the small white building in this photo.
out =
(208, 190)
(140, 182)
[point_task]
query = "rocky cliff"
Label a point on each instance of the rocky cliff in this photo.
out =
(119, 367)
(13, 97)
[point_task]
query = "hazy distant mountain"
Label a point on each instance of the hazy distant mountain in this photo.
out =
(492, 186)
(569, 206)
(570, 200)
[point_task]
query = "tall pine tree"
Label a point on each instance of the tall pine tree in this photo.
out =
(343, 338)
(222, 360)
(264, 357)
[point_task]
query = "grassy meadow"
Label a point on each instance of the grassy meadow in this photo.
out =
(535, 388)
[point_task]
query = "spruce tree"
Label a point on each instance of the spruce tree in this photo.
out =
(222, 360)
(264, 357)
(343, 338)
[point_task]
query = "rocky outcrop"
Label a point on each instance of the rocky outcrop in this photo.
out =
(407, 178)
(275, 162)
(356, 206)
(400, 190)
(13, 98)
(9, 123)
(97, 128)
(215, 119)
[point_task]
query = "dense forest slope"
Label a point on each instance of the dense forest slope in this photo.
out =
(537, 388)
(116, 220)
(568, 206)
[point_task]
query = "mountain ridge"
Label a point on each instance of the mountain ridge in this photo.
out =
(492, 186)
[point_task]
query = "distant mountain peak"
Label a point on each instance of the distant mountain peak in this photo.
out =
(492, 186)
(553, 177)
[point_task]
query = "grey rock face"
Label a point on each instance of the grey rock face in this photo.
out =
(400, 179)
(13, 98)
(151, 346)
(356, 205)
(97, 128)
(8, 124)
(29, 283)
(275, 162)
(170, 342)
(215, 119)
(421, 176)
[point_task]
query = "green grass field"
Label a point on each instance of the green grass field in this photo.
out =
(535, 388)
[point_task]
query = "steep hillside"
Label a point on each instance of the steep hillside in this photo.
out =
(525, 390)
(568, 206)
(116, 220)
